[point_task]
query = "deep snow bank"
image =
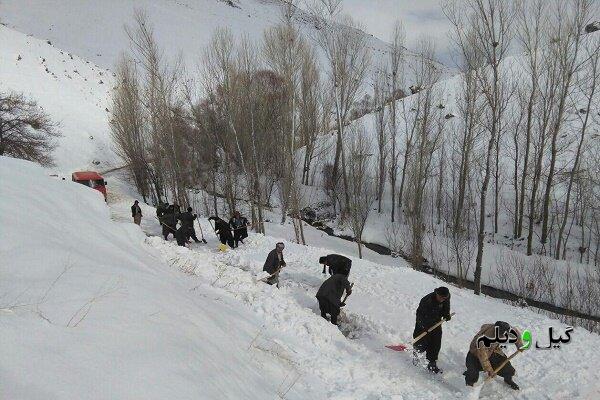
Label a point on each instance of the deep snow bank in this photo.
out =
(87, 313)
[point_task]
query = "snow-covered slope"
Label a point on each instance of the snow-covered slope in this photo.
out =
(74, 92)
(353, 364)
(86, 312)
(94, 29)
(91, 308)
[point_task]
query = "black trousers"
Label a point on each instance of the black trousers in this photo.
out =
(227, 239)
(192, 234)
(474, 367)
(166, 231)
(180, 236)
(239, 235)
(327, 308)
(430, 344)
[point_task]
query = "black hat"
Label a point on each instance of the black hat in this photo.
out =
(503, 327)
(442, 291)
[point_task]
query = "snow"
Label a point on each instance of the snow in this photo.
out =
(93, 307)
(69, 90)
(94, 29)
(113, 313)
(353, 363)
(88, 311)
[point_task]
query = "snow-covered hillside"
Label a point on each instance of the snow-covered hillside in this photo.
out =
(94, 309)
(74, 92)
(94, 29)
(88, 312)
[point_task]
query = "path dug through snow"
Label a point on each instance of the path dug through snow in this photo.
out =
(353, 363)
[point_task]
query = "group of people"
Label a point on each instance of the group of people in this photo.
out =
(433, 309)
(231, 233)
(169, 215)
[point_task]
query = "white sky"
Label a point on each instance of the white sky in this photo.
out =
(420, 18)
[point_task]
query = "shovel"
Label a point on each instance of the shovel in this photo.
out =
(402, 347)
(343, 303)
(201, 233)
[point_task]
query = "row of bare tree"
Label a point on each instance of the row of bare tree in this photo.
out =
(497, 148)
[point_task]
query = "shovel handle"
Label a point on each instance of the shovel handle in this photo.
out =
(422, 335)
(346, 297)
(503, 364)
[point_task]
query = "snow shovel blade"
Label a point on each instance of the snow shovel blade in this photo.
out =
(397, 347)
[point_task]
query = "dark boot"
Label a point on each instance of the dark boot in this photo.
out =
(432, 367)
(511, 383)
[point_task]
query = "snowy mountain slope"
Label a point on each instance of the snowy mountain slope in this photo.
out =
(94, 29)
(87, 312)
(74, 92)
(353, 363)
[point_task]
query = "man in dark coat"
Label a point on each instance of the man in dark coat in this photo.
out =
(330, 295)
(181, 236)
(432, 308)
(239, 225)
(482, 358)
(136, 212)
(274, 263)
(223, 230)
(169, 221)
(161, 209)
(187, 223)
(337, 264)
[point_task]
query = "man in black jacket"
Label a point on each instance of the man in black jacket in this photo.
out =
(337, 264)
(330, 295)
(432, 308)
(239, 225)
(169, 221)
(274, 263)
(223, 230)
(187, 223)
(161, 209)
(136, 212)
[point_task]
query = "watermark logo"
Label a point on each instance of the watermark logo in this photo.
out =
(524, 341)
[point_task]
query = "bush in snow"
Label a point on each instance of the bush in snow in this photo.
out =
(26, 131)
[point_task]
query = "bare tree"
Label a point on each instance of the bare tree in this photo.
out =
(361, 182)
(163, 110)
(395, 83)
(491, 24)
(532, 24)
(128, 126)
(587, 87)
(26, 131)
(379, 96)
(566, 45)
(348, 59)
(427, 124)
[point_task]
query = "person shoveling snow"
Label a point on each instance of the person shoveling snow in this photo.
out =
(486, 355)
(432, 308)
(274, 263)
(330, 295)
